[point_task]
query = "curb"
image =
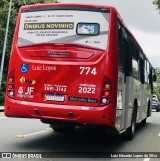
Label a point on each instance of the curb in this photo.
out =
(1, 108)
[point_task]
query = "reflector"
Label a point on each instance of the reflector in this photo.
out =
(10, 86)
(106, 93)
(107, 86)
(10, 80)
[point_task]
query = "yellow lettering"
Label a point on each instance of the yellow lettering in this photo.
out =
(26, 26)
(71, 26)
(30, 26)
(48, 26)
(43, 26)
(63, 25)
(56, 26)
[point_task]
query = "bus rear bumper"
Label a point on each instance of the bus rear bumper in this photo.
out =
(65, 113)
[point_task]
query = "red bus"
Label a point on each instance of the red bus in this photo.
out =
(74, 64)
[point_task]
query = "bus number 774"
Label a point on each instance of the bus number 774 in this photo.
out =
(88, 70)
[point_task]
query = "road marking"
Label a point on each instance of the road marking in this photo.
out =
(159, 134)
(3, 117)
(35, 133)
(146, 159)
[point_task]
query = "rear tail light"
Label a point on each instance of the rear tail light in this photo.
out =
(10, 85)
(106, 91)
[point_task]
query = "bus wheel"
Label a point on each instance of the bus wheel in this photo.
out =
(157, 108)
(131, 130)
(148, 110)
(63, 129)
(143, 123)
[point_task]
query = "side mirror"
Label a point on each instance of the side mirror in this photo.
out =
(154, 78)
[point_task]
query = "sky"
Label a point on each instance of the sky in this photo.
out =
(143, 20)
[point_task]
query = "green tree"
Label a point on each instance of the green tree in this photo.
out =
(4, 5)
(157, 2)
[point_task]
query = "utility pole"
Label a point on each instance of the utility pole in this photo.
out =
(5, 43)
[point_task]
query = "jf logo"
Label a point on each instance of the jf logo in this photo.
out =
(24, 68)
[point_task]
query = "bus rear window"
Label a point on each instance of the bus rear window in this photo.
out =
(82, 27)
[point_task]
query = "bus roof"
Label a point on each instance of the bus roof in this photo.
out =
(27, 7)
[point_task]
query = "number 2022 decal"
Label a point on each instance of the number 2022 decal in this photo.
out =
(88, 90)
(88, 70)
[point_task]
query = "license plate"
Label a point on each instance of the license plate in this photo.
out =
(53, 97)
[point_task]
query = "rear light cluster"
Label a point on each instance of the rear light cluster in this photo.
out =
(106, 93)
(10, 86)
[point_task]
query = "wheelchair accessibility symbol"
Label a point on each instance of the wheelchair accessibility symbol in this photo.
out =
(24, 68)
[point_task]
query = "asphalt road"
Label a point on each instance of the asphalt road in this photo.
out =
(28, 135)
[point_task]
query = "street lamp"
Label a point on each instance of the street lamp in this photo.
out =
(5, 43)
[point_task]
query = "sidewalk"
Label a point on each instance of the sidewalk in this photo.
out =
(1, 108)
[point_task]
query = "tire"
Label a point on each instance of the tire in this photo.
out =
(148, 110)
(63, 129)
(143, 123)
(157, 108)
(131, 130)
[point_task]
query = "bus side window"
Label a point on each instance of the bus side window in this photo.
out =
(135, 68)
(136, 71)
(145, 71)
(120, 53)
(148, 72)
(126, 54)
(142, 68)
(124, 61)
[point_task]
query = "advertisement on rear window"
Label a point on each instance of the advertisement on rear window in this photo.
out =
(64, 26)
